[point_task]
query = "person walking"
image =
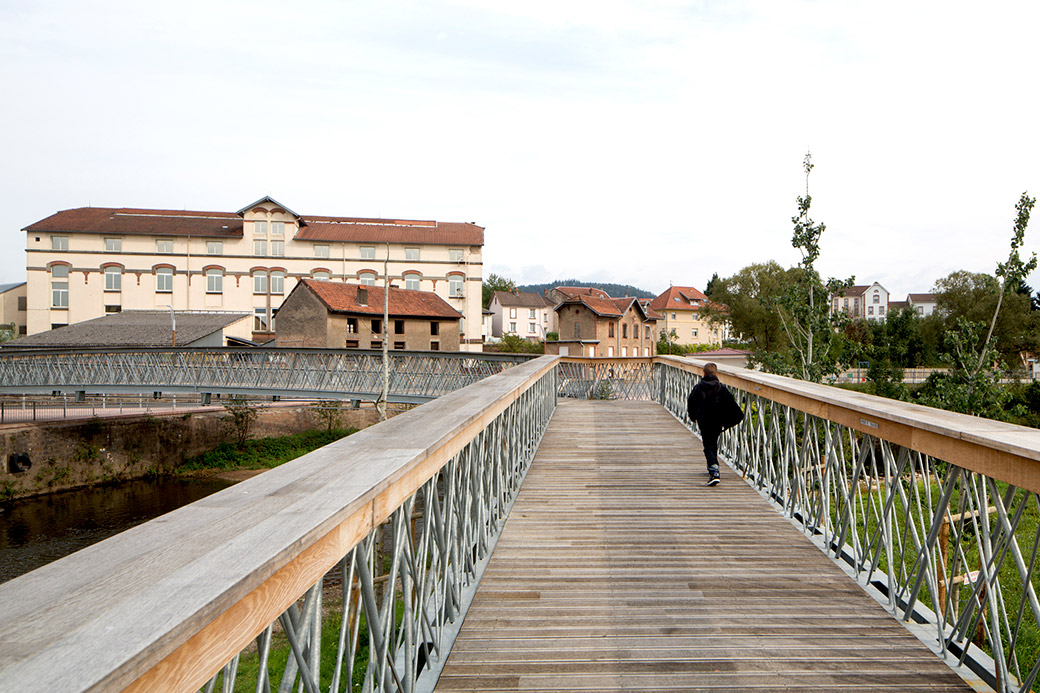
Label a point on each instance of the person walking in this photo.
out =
(712, 406)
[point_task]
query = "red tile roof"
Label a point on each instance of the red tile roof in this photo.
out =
(166, 222)
(688, 297)
(343, 298)
(382, 231)
(922, 298)
(155, 222)
(582, 291)
(607, 307)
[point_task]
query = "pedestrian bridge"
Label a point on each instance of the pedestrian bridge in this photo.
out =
(504, 538)
(414, 377)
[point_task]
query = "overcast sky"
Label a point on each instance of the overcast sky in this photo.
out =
(630, 141)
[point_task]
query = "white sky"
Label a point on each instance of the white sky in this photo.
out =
(618, 140)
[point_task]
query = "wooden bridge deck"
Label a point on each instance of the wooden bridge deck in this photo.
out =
(619, 570)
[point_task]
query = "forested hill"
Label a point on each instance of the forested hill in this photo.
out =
(615, 290)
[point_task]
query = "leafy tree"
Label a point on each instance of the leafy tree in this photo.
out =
(745, 301)
(816, 346)
(972, 385)
(328, 411)
(711, 284)
(978, 297)
(8, 332)
(514, 344)
(495, 283)
(240, 414)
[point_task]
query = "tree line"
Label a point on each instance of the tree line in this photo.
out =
(984, 328)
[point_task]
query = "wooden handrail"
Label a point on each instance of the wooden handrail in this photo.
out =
(1000, 450)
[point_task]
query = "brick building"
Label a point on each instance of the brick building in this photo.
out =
(594, 324)
(334, 315)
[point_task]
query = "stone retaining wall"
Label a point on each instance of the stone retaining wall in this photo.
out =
(76, 453)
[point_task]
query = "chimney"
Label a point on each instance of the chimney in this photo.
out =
(362, 296)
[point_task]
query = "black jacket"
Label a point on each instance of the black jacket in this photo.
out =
(702, 405)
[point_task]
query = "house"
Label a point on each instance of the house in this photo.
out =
(680, 308)
(12, 308)
(923, 304)
(525, 314)
(594, 324)
(869, 301)
(485, 329)
(334, 315)
(133, 329)
(88, 262)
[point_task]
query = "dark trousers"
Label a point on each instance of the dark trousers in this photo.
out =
(710, 438)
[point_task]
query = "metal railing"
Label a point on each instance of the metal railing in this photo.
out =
(627, 378)
(25, 408)
(329, 373)
(373, 544)
(937, 511)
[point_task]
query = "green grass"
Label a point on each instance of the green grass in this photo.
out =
(1027, 644)
(263, 453)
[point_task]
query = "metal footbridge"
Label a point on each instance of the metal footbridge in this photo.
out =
(415, 377)
(547, 528)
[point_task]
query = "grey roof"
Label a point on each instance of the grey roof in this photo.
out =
(522, 299)
(4, 288)
(131, 328)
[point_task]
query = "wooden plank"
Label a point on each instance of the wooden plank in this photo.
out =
(619, 570)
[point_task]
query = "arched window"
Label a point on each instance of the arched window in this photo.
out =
(367, 278)
(321, 275)
(59, 286)
(277, 282)
(260, 282)
(164, 280)
(411, 281)
(113, 278)
(214, 281)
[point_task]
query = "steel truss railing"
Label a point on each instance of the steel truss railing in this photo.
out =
(950, 548)
(328, 373)
(630, 378)
(410, 580)
(434, 485)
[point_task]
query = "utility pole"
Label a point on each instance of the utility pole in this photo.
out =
(381, 402)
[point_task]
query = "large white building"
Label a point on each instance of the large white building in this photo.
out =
(864, 301)
(87, 262)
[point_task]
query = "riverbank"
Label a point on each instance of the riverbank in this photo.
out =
(48, 457)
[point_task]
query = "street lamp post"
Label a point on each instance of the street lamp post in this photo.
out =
(173, 325)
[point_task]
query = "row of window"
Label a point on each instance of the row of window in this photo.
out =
(263, 282)
(377, 326)
(378, 344)
(262, 247)
(532, 313)
(624, 331)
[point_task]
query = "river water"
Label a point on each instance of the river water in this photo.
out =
(36, 531)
